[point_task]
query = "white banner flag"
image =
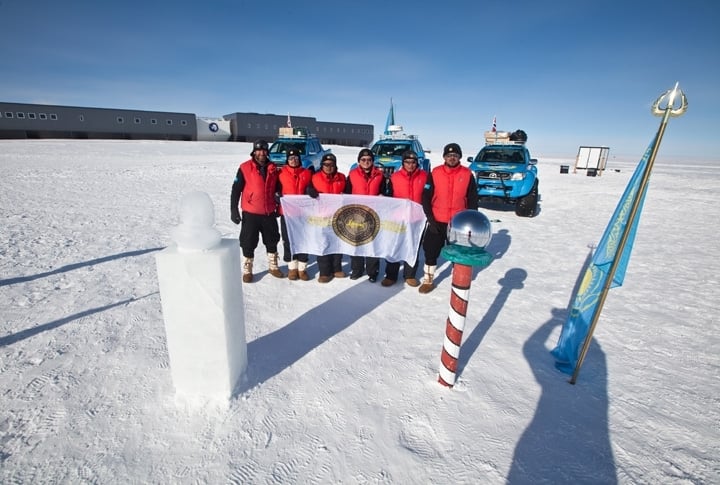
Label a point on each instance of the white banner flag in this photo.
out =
(358, 225)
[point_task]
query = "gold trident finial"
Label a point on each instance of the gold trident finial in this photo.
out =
(668, 101)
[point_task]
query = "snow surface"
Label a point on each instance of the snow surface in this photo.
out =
(341, 383)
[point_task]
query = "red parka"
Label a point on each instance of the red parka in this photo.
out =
(329, 184)
(362, 183)
(293, 181)
(452, 189)
(406, 185)
(258, 192)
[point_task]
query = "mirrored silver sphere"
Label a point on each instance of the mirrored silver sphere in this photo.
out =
(469, 228)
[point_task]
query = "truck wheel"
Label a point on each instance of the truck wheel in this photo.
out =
(527, 205)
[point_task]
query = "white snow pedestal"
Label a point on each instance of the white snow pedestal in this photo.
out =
(202, 305)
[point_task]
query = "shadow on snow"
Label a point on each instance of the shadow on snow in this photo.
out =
(272, 353)
(30, 332)
(73, 266)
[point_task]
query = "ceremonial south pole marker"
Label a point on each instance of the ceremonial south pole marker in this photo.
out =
(468, 233)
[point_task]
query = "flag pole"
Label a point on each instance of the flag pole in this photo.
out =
(666, 113)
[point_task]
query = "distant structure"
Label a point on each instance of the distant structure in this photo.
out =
(592, 159)
(19, 120)
(27, 121)
(251, 126)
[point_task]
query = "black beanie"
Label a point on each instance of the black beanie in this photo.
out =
(259, 145)
(293, 152)
(452, 148)
(365, 152)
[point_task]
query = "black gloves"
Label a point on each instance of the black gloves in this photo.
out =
(235, 217)
(312, 192)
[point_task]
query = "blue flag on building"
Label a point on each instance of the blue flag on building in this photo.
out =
(585, 306)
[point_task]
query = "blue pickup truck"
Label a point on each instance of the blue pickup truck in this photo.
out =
(389, 147)
(506, 173)
(311, 151)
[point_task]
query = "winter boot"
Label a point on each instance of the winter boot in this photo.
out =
(247, 270)
(293, 270)
(427, 283)
(273, 266)
(302, 271)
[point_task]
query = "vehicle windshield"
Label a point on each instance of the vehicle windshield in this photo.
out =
(389, 149)
(283, 147)
(505, 156)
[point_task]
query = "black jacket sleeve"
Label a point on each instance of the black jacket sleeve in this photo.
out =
(427, 197)
(472, 195)
(237, 188)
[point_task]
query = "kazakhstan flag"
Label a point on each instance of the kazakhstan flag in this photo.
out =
(585, 306)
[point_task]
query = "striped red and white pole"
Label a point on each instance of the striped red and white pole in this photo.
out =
(455, 323)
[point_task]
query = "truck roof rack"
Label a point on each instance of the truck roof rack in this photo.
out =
(500, 138)
(298, 132)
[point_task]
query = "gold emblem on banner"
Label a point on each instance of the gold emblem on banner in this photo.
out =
(356, 224)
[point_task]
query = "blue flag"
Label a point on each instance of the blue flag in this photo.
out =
(390, 119)
(585, 306)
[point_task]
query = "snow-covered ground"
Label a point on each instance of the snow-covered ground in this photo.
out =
(342, 378)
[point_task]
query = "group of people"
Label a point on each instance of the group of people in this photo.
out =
(255, 202)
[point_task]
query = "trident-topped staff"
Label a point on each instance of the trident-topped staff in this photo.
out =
(613, 253)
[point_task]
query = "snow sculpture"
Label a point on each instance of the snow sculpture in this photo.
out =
(202, 304)
(197, 218)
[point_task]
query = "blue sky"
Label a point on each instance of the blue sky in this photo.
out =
(569, 73)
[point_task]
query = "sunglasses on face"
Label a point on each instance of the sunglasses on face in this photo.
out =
(366, 159)
(328, 164)
(452, 155)
(294, 157)
(410, 161)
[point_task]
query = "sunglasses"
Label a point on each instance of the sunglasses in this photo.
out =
(452, 155)
(366, 159)
(410, 160)
(293, 157)
(328, 164)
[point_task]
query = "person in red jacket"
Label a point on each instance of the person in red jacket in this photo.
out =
(365, 179)
(293, 180)
(328, 181)
(450, 188)
(406, 183)
(253, 193)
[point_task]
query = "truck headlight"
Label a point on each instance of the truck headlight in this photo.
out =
(518, 176)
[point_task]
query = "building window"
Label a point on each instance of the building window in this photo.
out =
(137, 121)
(8, 114)
(20, 116)
(183, 122)
(43, 116)
(168, 122)
(120, 120)
(82, 117)
(53, 116)
(249, 125)
(153, 121)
